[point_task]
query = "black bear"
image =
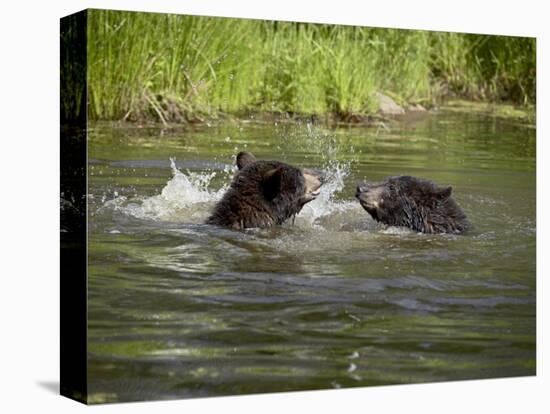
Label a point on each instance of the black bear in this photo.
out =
(264, 193)
(412, 202)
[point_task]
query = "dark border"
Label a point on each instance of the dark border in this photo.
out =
(73, 207)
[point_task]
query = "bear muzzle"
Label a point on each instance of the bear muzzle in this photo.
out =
(369, 195)
(361, 188)
(313, 181)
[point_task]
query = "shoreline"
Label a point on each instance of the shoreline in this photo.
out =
(524, 114)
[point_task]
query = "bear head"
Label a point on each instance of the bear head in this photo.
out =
(412, 202)
(265, 193)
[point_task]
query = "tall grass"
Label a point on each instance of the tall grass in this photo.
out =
(176, 67)
(497, 68)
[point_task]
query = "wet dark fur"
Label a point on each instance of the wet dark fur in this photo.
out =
(262, 194)
(415, 203)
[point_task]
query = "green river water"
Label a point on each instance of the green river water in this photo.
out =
(180, 309)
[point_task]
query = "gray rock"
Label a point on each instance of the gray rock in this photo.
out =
(387, 105)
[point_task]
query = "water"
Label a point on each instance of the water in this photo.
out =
(181, 309)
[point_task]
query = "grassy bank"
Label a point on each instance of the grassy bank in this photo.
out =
(177, 68)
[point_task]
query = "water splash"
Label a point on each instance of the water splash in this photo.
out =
(327, 150)
(326, 203)
(186, 197)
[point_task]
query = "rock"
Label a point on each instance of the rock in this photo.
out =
(387, 105)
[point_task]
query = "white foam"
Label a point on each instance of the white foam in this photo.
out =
(186, 197)
(326, 204)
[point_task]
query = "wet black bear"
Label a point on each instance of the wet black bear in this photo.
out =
(412, 202)
(264, 193)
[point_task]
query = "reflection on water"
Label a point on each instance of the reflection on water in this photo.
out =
(181, 309)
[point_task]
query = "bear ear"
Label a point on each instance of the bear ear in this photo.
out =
(444, 193)
(271, 183)
(245, 158)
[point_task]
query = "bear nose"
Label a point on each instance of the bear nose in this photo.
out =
(321, 176)
(362, 188)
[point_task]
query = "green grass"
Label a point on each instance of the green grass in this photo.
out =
(174, 68)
